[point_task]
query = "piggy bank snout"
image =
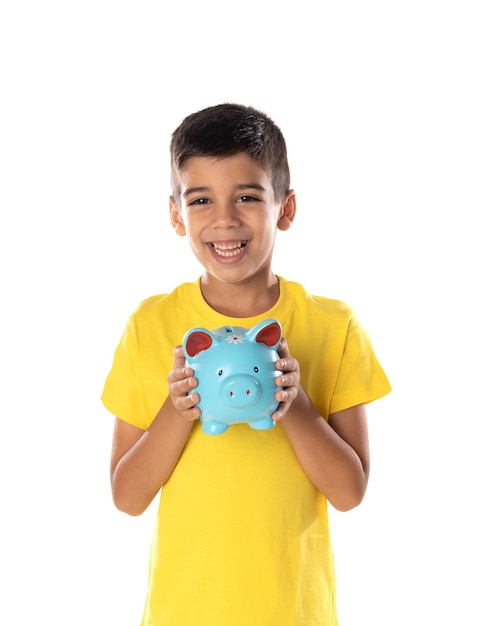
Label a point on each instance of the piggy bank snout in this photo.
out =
(240, 390)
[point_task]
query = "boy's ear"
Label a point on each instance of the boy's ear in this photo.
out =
(287, 212)
(176, 218)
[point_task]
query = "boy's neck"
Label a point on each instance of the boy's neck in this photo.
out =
(241, 299)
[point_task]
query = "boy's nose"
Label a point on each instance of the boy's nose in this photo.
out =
(226, 214)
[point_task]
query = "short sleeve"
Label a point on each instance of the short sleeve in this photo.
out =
(120, 393)
(361, 378)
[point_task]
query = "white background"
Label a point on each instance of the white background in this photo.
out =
(383, 107)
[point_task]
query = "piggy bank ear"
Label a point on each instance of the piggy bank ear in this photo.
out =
(268, 332)
(195, 341)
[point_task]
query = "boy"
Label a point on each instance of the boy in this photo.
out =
(242, 532)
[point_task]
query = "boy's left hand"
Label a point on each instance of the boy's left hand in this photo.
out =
(289, 380)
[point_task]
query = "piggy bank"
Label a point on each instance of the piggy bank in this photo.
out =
(235, 369)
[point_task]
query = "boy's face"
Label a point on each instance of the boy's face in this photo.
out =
(230, 216)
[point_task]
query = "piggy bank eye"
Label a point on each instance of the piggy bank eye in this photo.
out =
(255, 369)
(220, 372)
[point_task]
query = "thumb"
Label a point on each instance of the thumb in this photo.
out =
(283, 349)
(179, 358)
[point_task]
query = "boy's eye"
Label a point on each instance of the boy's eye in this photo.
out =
(198, 201)
(247, 199)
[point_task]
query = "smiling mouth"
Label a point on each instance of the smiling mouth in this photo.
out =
(229, 249)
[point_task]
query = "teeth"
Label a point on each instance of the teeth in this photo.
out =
(228, 250)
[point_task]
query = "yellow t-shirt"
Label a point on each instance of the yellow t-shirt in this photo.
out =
(241, 536)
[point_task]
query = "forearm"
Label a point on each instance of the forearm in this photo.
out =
(331, 463)
(147, 465)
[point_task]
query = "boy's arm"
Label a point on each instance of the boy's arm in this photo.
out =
(143, 460)
(334, 454)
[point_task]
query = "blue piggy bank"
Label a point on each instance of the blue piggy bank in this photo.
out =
(235, 369)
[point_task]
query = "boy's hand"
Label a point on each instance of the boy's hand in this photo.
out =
(181, 383)
(289, 380)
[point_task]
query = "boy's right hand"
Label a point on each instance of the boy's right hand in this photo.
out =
(181, 383)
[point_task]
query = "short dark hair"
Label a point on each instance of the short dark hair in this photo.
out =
(225, 130)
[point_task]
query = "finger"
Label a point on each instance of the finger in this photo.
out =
(192, 414)
(279, 413)
(291, 378)
(182, 387)
(180, 374)
(285, 401)
(188, 402)
(287, 365)
(179, 358)
(283, 349)
(187, 406)
(282, 380)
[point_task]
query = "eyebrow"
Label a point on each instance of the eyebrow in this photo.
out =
(190, 190)
(241, 187)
